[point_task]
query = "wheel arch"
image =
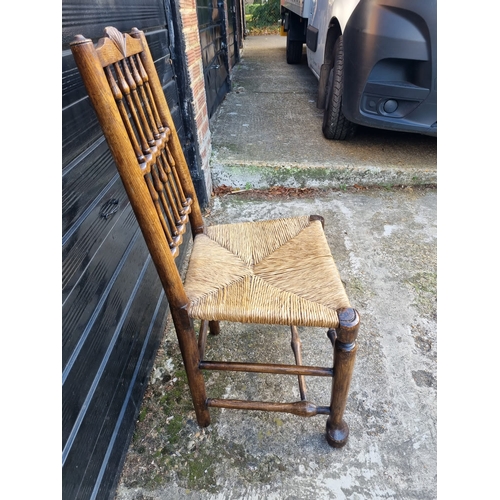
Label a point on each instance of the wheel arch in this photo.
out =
(334, 31)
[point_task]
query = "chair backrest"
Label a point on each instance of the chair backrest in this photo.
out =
(121, 80)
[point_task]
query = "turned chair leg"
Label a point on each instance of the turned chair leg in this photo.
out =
(344, 343)
(214, 327)
(297, 351)
(191, 357)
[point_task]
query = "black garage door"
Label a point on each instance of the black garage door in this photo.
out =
(233, 34)
(113, 306)
(213, 40)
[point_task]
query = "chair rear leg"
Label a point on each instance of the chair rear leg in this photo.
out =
(297, 351)
(191, 357)
(214, 327)
(344, 342)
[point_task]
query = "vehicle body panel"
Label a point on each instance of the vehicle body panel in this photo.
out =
(390, 58)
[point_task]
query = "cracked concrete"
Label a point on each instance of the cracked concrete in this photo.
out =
(384, 242)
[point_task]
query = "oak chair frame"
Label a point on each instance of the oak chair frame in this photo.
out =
(121, 80)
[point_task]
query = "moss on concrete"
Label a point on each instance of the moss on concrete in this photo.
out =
(424, 284)
(262, 176)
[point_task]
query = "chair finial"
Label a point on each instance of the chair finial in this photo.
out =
(118, 39)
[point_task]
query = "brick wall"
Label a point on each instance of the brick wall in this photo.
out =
(192, 54)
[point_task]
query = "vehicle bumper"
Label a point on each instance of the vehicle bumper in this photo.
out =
(390, 65)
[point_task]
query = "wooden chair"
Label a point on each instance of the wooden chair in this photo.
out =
(271, 272)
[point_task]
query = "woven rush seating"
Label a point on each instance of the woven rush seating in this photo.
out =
(275, 272)
(272, 272)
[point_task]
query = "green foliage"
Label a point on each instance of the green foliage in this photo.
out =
(142, 414)
(266, 14)
(250, 9)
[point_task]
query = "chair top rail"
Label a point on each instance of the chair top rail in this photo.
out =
(117, 46)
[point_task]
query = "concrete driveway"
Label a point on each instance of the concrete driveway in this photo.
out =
(268, 132)
(383, 239)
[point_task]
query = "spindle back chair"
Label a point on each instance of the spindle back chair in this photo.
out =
(251, 272)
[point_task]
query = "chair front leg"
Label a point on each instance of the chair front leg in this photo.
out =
(344, 343)
(191, 357)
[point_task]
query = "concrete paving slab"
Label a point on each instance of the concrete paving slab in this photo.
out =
(267, 132)
(384, 243)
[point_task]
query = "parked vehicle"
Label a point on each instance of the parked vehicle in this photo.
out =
(375, 61)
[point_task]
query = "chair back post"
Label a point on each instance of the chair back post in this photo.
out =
(195, 217)
(107, 112)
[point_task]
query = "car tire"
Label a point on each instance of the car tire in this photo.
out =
(335, 125)
(293, 50)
